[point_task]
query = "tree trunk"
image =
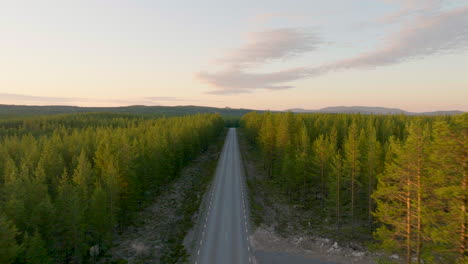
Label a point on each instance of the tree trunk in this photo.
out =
(338, 204)
(419, 227)
(463, 234)
(408, 223)
(322, 192)
(352, 197)
(370, 204)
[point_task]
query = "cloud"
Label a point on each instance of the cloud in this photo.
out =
(19, 99)
(421, 36)
(265, 46)
(441, 33)
(25, 99)
(411, 8)
(234, 81)
(416, 4)
(167, 98)
(262, 47)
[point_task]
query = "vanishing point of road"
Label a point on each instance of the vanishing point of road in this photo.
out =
(224, 236)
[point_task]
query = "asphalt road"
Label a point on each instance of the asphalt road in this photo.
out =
(224, 236)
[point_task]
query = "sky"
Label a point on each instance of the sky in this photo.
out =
(275, 54)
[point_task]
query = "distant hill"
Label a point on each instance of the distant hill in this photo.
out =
(25, 110)
(371, 110)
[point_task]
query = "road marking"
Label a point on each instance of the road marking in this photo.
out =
(231, 144)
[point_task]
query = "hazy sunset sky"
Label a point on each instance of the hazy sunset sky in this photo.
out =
(276, 54)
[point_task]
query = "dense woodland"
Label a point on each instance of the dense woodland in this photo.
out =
(401, 179)
(68, 183)
(12, 111)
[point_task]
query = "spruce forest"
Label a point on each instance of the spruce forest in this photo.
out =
(68, 183)
(399, 179)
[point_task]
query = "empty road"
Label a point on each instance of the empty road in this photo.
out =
(224, 227)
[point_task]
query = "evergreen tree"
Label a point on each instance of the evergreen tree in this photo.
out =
(400, 196)
(322, 153)
(303, 158)
(83, 175)
(8, 246)
(372, 161)
(36, 251)
(70, 216)
(99, 215)
(352, 167)
(335, 187)
(267, 142)
(449, 167)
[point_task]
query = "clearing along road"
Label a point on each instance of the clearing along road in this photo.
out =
(224, 236)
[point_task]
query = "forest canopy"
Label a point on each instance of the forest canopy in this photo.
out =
(69, 182)
(402, 179)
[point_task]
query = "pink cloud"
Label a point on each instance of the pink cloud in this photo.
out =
(425, 35)
(276, 44)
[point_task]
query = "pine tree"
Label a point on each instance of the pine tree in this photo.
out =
(43, 219)
(372, 163)
(335, 186)
(99, 215)
(267, 142)
(83, 175)
(133, 157)
(8, 246)
(303, 158)
(70, 216)
(400, 195)
(352, 166)
(322, 153)
(449, 186)
(36, 251)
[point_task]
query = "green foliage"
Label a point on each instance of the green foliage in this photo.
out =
(401, 178)
(36, 251)
(13, 111)
(8, 245)
(74, 180)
